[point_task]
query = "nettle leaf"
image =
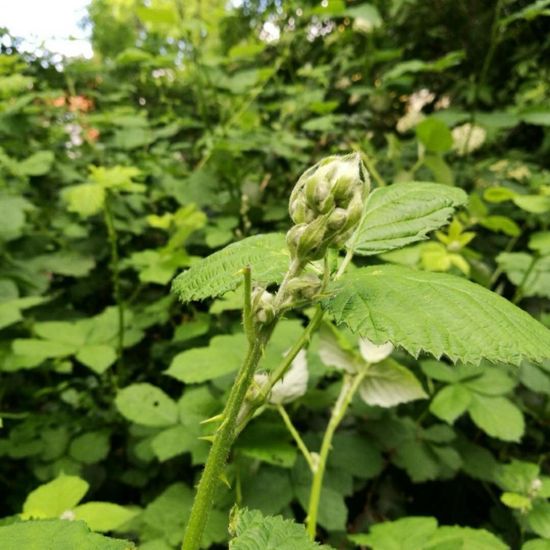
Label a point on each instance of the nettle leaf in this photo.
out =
(388, 384)
(252, 531)
(56, 534)
(404, 213)
(267, 256)
(437, 313)
(147, 405)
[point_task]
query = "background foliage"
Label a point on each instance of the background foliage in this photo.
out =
(186, 132)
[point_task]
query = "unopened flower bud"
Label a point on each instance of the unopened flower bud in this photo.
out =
(343, 191)
(293, 237)
(337, 219)
(300, 212)
(312, 245)
(354, 212)
(304, 287)
(263, 307)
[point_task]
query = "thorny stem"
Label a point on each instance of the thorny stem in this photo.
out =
(349, 387)
(281, 369)
(294, 432)
(115, 272)
(221, 445)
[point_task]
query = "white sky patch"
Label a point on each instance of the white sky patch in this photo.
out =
(51, 25)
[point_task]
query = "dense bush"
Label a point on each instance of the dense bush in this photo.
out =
(186, 132)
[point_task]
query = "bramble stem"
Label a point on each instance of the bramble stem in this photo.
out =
(221, 445)
(111, 232)
(280, 371)
(349, 387)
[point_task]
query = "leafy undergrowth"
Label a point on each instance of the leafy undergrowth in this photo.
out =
(185, 133)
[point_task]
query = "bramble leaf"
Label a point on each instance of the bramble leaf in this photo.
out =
(404, 213)
(266, 255)
(437, 313)
(252, 531)
(388, 384)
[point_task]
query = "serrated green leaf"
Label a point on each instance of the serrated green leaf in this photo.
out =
(437, 313)
(404, 213)
(266, 255)
(451, 402)
(85, 199)
(147, 405)
(56, 535)
(388, 384)
(497, 417)
(52, 499)
(104, 516)
(252, 531)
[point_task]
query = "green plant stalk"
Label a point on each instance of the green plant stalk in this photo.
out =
(297, 438)
(282, 368)
(221, 445)
(115, 272)
(349, 387)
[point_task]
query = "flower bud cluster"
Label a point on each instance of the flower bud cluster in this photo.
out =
(326, 205)
(263, 306)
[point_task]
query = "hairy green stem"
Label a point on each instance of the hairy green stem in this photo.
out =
(349, 387)
(221, 446)
(115, 272)
(282, 368)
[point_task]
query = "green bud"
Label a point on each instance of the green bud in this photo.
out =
(343, 191)
(300, 212)
(312, 245)
(293, 237)
(263, 307)
(337, 219)
(354, 212)
(304, 287)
